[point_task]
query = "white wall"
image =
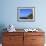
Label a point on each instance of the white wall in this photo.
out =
(9, 13)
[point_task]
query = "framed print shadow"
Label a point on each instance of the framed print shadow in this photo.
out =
(26, 14)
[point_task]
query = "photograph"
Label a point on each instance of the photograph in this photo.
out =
(25, 14)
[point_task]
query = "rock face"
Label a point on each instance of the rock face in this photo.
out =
(30, 16)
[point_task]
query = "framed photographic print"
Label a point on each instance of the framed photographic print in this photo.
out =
(26, 14)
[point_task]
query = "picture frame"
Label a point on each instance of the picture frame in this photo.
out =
(26, 14)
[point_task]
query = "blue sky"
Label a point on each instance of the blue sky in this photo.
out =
(25, 12)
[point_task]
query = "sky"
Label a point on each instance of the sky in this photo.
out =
(25, 12)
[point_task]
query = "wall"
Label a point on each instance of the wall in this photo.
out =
(8, 13)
